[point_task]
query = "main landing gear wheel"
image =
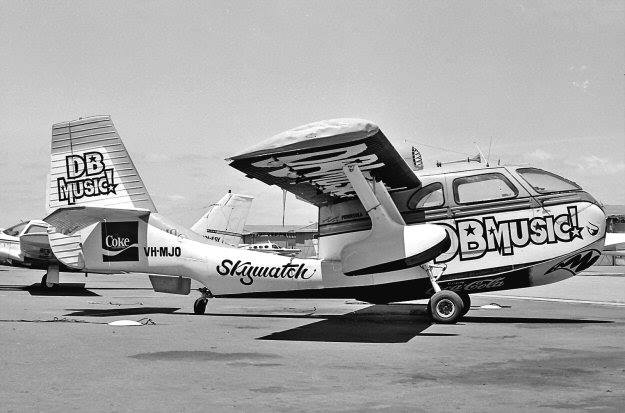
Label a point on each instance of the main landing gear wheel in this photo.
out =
(446, 307)
(466, 304)
(200, 305)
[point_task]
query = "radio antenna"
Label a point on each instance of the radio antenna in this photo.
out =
(489, 147)
(480, 152)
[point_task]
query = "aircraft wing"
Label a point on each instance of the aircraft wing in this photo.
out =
(308, 161)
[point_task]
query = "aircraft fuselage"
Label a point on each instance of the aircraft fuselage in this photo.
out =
(520, 239)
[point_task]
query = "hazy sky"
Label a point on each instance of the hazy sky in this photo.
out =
(190, 83)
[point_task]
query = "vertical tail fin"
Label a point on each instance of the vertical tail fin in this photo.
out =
(224, 221)
(90, 166)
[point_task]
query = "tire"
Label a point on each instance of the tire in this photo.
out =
(446, 307)
(200, 306)
(466, 304)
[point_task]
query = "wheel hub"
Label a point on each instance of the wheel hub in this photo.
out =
(445, 308)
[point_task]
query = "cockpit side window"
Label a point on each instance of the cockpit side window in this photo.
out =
(483, 188)
(430, 196)
(15, 230)
(545, 182)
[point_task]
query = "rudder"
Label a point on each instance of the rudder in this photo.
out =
(90, 166)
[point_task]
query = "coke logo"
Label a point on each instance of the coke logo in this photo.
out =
(116, 242)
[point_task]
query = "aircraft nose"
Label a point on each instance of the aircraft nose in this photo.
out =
(594, 219)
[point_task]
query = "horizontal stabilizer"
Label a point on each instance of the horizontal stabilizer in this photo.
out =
(308, 161)
(76, 235)
(67, 249)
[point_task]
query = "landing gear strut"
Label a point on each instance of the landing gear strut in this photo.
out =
(200, 304)
(51, 277)
(445, 306)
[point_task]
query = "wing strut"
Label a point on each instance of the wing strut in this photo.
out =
(377, 201)
(391, 245)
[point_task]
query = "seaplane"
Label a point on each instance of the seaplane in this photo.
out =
(26, 244)
(387, 233)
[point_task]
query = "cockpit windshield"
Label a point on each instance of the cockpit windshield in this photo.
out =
(15, 230)
(545, 182)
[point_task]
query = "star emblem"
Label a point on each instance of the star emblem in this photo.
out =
(92, 159)
(470, 230)
(576, 232)
(491, 231)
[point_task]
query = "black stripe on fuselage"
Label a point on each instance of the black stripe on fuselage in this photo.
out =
(412, 261)
(398, 291)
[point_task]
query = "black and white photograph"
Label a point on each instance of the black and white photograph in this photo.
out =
(312, 206)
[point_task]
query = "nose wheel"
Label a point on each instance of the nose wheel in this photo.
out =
(199, 307)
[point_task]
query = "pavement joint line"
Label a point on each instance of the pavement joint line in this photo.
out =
(556, 300)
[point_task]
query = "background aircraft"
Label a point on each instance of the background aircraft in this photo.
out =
(385, 233)
(224, 220)
(614, 244)
(271, 248)
(26, 244)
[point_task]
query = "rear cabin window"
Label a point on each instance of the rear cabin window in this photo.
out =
(483, 188)
(430, 196)
(545, 182)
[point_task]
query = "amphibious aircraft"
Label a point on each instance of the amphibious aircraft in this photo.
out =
(26, 244)
(386, 233)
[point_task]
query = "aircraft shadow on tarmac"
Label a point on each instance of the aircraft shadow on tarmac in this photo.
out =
(113, 312)
(530, 320)
(394, 323)
(62, 290)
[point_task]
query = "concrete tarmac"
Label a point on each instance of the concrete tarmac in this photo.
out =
(57, 352)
